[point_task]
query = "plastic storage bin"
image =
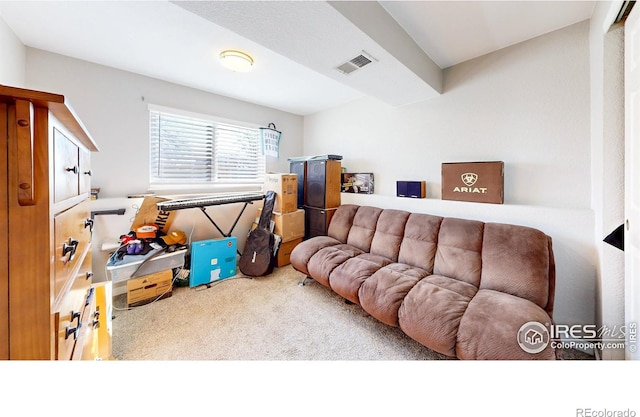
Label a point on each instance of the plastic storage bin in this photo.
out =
(123, 272)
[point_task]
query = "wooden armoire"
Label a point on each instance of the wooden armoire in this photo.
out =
(49, 306)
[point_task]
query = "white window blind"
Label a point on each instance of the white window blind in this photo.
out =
(189, 150)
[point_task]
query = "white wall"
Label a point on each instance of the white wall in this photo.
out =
(607, 162)
(110, 103)
(12, 57)
(526, 105)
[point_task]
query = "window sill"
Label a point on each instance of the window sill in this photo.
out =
(177, 190)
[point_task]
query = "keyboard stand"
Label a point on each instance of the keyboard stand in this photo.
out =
(233, 226)
(203, 203)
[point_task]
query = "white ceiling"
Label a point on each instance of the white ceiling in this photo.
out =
(296, 44)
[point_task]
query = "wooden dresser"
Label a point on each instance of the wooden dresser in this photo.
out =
(49, 306)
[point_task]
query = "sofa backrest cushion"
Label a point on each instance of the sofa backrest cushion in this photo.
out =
(516, 260)
(459, 253)
(363, 227)
(389, 233)
(341, 222)
(418, 248)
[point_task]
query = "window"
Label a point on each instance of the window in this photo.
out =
(196, 150)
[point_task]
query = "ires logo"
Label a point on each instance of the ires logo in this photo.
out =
(469, 179)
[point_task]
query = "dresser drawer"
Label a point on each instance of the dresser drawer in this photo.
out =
(74, 313)
(72, 231)
(84, 176)
(90, 323)
(66, 168)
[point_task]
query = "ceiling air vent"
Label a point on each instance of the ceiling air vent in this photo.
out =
(356, 63)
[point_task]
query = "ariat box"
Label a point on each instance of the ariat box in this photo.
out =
(286, 188)
(479, 182)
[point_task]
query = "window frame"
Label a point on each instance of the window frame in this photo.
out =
(203, 187)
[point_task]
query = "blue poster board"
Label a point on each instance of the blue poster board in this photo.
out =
(212, 260)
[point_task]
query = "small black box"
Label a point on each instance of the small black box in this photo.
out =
(412, 189)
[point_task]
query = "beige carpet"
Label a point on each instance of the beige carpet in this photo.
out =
(266, 318)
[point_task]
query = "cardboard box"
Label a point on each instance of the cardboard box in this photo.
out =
(286, 188)
(284, 252)
(357, 183)
(148, 288)
(480, 182)
(149, 213)
(289, 226)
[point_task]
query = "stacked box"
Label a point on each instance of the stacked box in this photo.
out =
(289, 226)
(288, 220)
(285, 186)
(284, 252)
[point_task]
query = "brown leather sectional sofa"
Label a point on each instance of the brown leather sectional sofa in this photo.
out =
(464, 288)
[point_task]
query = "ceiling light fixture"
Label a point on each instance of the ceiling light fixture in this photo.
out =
(236, 60)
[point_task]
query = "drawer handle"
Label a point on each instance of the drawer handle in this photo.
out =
(75, 315)
(75, 169)
(88, 223)
(88, 173)
(69, 249)
(88, 275)
(71, 331)
(90, 296)
(96, 319)
(25, 154)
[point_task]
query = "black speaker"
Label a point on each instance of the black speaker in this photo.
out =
(299, 168)
(412, 189)
(323, 184)
(317, 221)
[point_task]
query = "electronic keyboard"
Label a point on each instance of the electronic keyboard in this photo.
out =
(212, 200)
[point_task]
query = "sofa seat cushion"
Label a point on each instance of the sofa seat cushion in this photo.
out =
(327, 259)
(382, 293)
(307, 249)
(489, 327)
(431, 312)
(347, 278)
